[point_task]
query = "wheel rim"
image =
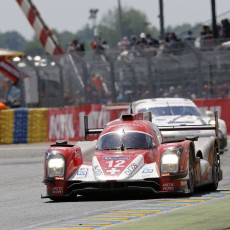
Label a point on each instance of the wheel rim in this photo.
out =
(216, 167)
(191, 175)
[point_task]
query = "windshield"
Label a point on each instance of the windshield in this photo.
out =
(172, 110)
(126, 140)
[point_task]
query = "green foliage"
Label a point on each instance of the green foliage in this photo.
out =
(12, 40)
(181, 30)
(133, 22)
(34, 48)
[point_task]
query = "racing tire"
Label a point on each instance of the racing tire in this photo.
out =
(191, 181)
(215, 171)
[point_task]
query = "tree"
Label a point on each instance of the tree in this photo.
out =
(34, 48)
(12, 40)
(134, 22)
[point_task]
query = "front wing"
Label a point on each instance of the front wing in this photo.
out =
(83, 182)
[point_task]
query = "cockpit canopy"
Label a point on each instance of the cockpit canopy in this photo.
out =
(172, 110)
(125, 140)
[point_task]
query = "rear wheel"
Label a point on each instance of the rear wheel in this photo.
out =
(215, 170)
(191, 181)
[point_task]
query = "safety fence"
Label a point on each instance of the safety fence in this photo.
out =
(31, 125)
(125, 74)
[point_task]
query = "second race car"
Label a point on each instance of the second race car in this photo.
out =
(180, 112)
(132, 154)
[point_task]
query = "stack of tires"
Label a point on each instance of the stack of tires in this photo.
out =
(37, 125)
(6, 126)
(20, 125)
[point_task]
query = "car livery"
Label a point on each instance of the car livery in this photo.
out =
(132, 153)
(180, 111)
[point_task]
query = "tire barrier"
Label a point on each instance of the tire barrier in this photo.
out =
(20, 126)
(34, 125)
(6, 126)
(23, 125)
(37, 125)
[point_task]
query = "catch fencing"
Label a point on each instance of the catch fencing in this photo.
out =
(131, 73)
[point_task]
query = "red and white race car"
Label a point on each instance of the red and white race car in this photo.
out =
(131, 153)
(180, 112)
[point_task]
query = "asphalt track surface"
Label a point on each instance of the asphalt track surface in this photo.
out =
(21, 206)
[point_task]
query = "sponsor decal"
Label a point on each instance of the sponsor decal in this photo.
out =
(97, 171)
(95, 119)
(147, 171)
(130, 169)
(115, 158)
(113, 171)
(61, 126)
(168, 187)
(82, 172)
(57, 190)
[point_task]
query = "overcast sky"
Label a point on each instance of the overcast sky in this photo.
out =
(71, 15)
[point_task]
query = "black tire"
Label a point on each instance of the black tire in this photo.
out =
(215, 171)
(191, 181)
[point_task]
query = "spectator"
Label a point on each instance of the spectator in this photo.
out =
(171, 40)
(188, 37)
(105, 45)
(206, 33)
(152, 41)
(171, 92)
(133, 41)
(75, 46)
(225, 28)
(142, 42)
(101, 89)
(14, 96)
(206, 92)
(125, 42)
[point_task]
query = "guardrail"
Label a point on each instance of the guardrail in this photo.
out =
(34, 125)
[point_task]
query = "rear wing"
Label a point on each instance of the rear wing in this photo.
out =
(88, 130)
(193, 127)
(125, 117)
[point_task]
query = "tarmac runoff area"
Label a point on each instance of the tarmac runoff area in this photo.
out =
(206, 211)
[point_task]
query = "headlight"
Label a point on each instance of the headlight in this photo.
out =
(170, 161)
(55, 165)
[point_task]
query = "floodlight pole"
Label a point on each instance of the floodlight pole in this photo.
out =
(93, 17)
(214, 26)
(161, 16)
(120, 19)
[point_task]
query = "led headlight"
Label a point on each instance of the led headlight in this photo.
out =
(170, 161)
(55, 165)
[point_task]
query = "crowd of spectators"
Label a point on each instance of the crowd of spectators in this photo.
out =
(129, 47)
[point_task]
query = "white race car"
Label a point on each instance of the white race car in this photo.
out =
(178, 112)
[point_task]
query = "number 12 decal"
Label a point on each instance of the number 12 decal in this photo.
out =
(116, 163)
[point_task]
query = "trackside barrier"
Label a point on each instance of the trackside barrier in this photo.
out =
(6, 126)
(37, 125)
(68, 123)
(34, 125)
(23, 125)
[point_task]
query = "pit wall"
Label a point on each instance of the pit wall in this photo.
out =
(34, 125)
